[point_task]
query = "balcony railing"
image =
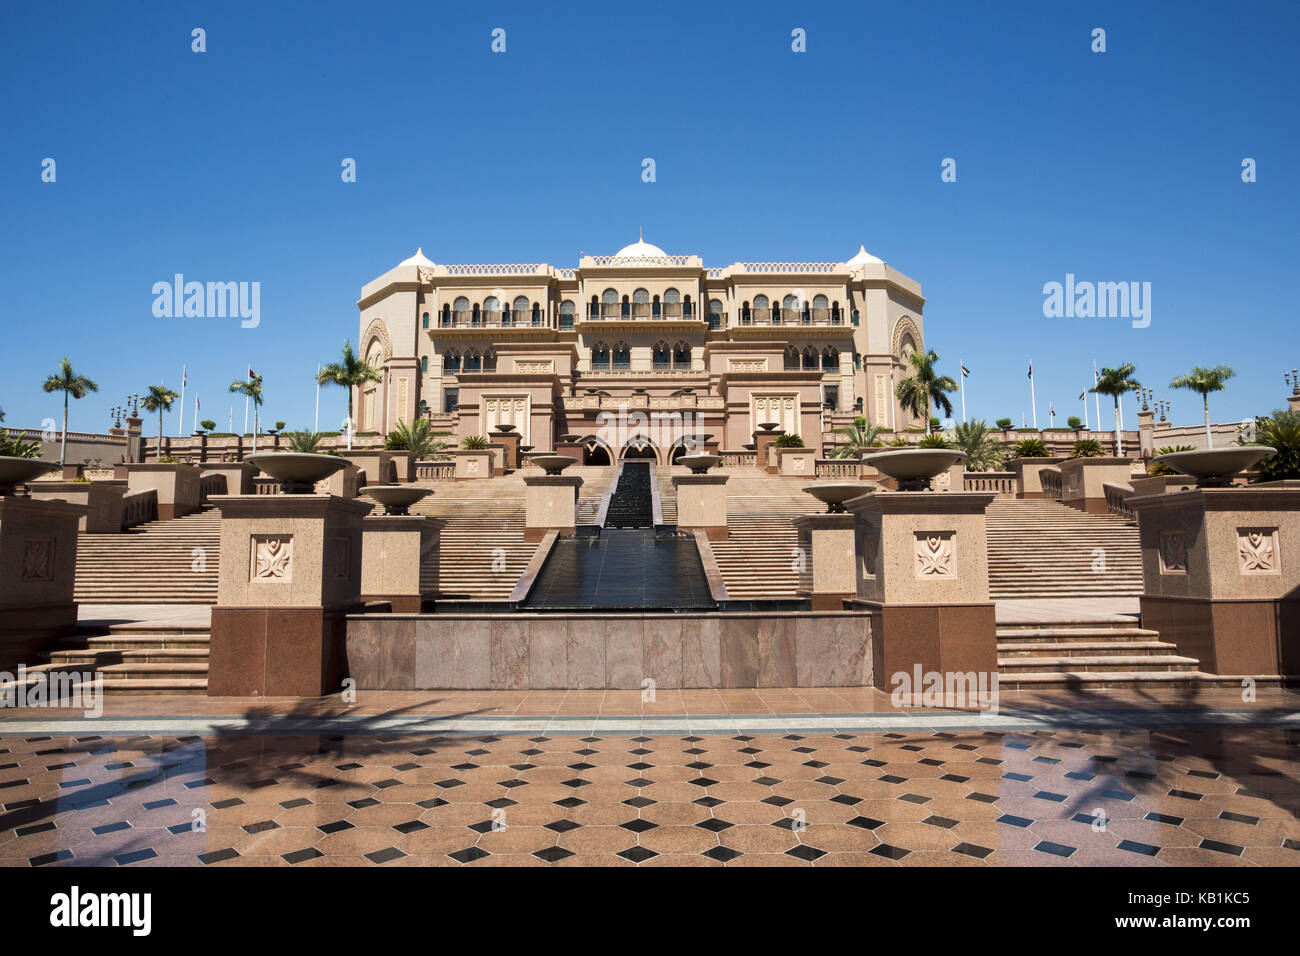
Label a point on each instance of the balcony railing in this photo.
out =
(492, 319)
(998, 482)
(643, 311)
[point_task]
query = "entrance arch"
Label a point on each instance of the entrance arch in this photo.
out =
(639, 447)
(596, 452)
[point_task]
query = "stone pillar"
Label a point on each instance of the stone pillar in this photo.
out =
(762, 442)
(1028, 484)
(830, 560)
(38, 566)
(102, 501)
(476, 463)
(1082, 480)
(376, 466)
(1221, 575)
(797, 462)
(239, 475)
(134, 440)
(177, 486)
(290, 573)
(1293, 401)
(572, 450)
(1146, 433)
(702, 504)
(345, 483)
(550, 504)
(396, 551)
(509, 441)
(922, 575)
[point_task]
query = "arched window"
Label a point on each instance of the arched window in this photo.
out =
(746, 316)
(424, 363)
(830, 359)
(672, 307)
(491, 310)
(791, 358)
(622, 357)
(473, 361)
(520, 309)
(426, 320)
(474, 318)
(819, 302)
(451, 362)
(600, 357)
(595, 307)
(681, 355)
(446, 314)
(656, 307)
(661, 358)
(424, 408)
(537, 315)
(626, 308)
(762, 312)
(857, 361)
(790, 308)
(462, 310)
(856, 317)
(836, 318)
(566, 315)
(640, 303)
(609, 304)
(686, 307)
(490, 360)
(715, 313)
(809, 357)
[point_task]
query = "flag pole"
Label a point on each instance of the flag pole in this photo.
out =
(1096, 396)
(1084, 397)
(1033, 399)
(961, 379)
(180, 429)
(316, 426)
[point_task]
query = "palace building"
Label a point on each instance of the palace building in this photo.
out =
(641, 334)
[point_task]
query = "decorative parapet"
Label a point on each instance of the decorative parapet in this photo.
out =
(998, 482)
(497, 269)
(791, 268)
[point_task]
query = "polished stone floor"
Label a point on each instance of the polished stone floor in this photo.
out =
(1210, 796)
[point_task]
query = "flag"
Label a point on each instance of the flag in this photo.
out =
(1082, 394)
(184, 376)
(1031, 369)
(1051, 409)
(965, 372)
(251, 373)
(196, 403)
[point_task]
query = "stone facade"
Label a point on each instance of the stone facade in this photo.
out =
(671, 347)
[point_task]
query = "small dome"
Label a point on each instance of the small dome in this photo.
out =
(640, 250)
(864, 258)
(419, 259)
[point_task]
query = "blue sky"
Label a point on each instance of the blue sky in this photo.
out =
(224, 166)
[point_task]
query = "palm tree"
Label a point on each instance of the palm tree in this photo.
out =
(983, 447)
(159, 400)
(1115, 382)
(861, 435)
(1204, 381)
(351, 373)
(250, 387)
(68, 382)
(925, 386)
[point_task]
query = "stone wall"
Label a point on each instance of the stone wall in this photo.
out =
(537, 651)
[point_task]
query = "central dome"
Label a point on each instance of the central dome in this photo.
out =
(640, 250)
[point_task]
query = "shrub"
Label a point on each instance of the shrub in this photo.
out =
(208, 425)
(474, 442)
(17, 448)
(168, 460)
(934, 441)
(1282, 431)
(279, 426)
(1074, 421)
(1003, 423)
(1160, 468)
(1030, 448)
(786, 440)
(934, 424)
(899, 443)
(304, 442)
(1087, 448)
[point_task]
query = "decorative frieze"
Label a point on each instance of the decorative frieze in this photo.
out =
(934, 553)
(747, 365)
(1257, 548)
(1173, 552)
(38, 559)
(272, 557)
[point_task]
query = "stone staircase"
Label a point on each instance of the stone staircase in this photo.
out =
(134, 658)
(757, 561)
(154, 563)
(483, 552)
(1090, 653)
(1040, 549)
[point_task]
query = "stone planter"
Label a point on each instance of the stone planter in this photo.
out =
(797, 462)
(550, 504)
(177, 486)
(38, 564)
(472, 463)
(702, 504)
(239, 475)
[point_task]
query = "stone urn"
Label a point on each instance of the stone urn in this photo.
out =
(699, 464)
(834, 494)
(553, 464)
(1216, 466)
(297, 472)
(769, 426)
(913, 468)
(14, 471)
(396, 499)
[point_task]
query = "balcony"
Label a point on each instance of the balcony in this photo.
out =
(470, 321)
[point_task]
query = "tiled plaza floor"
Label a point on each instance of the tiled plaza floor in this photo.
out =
(1204, 797)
